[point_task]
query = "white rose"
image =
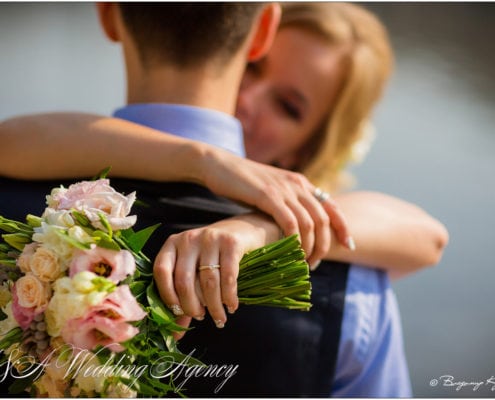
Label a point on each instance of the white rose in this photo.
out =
(31, 292)
(45, 265)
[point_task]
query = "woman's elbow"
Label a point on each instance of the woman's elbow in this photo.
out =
(439, 241)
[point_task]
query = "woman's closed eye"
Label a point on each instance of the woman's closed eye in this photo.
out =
(289, 108)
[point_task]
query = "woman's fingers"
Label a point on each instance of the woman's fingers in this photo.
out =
(338, 223)
(199, 268)
(175, 274)
(163, 271)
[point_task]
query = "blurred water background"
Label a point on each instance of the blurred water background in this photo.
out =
(435, 147)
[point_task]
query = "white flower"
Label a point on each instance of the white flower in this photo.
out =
(72, 298)
(62, 218)
(50, 237)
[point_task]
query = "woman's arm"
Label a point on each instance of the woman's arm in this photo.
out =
(390, 234)
(75, 145)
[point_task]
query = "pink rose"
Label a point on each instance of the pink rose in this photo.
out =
(93, 198)
(120, 305)
(94, 330)
(111, 264)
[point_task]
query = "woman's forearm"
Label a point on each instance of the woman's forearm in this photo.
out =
(389, 233)
(75, 145)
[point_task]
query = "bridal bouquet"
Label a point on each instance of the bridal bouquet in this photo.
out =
(80, 313)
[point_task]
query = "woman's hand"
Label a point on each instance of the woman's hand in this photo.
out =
(287, 196)
(199, 268)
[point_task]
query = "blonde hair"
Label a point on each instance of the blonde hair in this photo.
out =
(368, 63)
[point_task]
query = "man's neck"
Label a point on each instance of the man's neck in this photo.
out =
(197, 87)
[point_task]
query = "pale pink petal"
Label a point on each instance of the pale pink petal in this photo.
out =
(120, 263)
(120, 305)
(94, 330)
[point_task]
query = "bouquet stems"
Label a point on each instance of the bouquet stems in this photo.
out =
(275, 275)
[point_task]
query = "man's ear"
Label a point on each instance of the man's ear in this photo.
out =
(266, 29)
(107, 14)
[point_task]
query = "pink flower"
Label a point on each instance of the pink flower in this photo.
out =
(106, 324)
(23, 315)
(113, 265)
(120, 305)
(92, 198)
(94, 330)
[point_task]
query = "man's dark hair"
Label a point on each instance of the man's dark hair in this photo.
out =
(188, 33)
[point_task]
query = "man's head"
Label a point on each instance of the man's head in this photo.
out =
(187, 34)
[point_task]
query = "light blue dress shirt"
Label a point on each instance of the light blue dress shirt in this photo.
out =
(371, 360)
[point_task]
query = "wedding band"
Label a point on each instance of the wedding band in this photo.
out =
(321, 195)
(209, 266)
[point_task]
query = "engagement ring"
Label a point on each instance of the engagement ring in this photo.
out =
(321, 195)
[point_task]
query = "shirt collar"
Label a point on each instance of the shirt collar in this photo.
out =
(201, 124)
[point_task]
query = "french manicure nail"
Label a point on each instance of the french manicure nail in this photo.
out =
(315, 265)
(219, 323)
(176, 310)
(199, 317)
(231, 310)
(350, 243)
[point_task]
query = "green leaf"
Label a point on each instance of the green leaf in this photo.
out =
(102, 174)
(160, 314)
(137, 240)
(11, 337)
(17, 240)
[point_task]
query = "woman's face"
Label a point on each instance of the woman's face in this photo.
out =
(286, 96)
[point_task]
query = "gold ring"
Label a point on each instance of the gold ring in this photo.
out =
(321, 195)
(211, 267)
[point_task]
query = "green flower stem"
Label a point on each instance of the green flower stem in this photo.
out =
(275, 275)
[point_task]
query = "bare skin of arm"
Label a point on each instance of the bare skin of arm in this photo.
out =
(79, 145)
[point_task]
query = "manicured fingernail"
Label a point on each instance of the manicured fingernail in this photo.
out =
(315, 265)
(231, 310)
(176, 310)
(219, 323)
(199, 317)
(350, 243)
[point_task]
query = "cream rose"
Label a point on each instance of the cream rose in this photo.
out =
(45, 265)
(50, 237)
(31, 292)
(24, 260)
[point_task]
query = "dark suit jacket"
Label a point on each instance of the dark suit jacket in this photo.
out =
(278, 352)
